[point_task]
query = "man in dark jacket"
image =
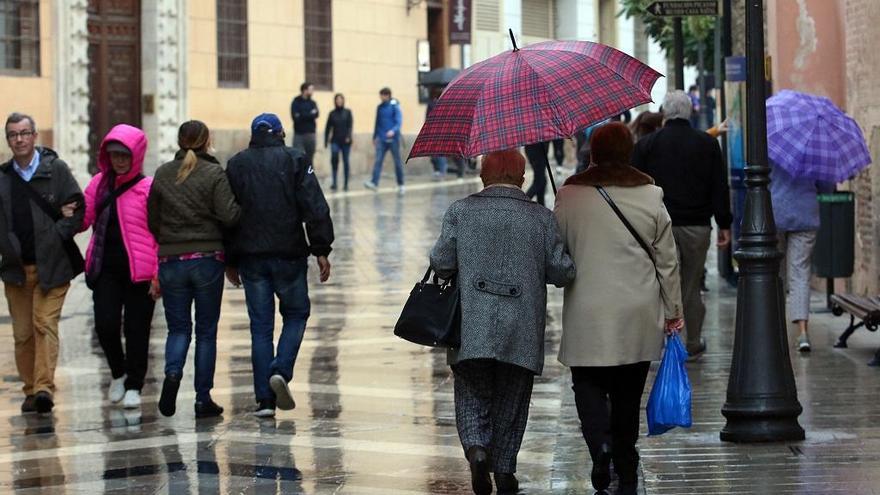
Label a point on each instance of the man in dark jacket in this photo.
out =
(268, 252)
(687, 164)
(36, 269)
(304, 112)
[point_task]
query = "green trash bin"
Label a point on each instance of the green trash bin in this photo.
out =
(834, 254)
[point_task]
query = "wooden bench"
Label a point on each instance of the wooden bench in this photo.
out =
(864, 309)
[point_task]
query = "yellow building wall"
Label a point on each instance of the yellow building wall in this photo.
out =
(374, 45)
(33, 95)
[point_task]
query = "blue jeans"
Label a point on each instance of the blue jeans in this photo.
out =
(440, 164)
(383, 147)
(185, 282)
(335, 150)
(263, 280)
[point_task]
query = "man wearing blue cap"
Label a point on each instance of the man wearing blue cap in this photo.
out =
(268, 252)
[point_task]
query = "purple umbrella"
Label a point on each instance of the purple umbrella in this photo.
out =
(811, 138)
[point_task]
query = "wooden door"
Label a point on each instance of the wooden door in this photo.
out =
(114, 68)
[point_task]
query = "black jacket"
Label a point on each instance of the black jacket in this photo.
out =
(55, 183)
(304, 114)
(277, 192)
(687, 165)
(339, 124)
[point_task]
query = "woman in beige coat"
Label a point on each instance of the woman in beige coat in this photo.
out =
(619, 305)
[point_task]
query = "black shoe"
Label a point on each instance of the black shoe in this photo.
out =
(28, 407)
(627, 489)
(506, 483)
(601, 474)
(695, 353)
(265, 409)
(43, 402)
(479, 464)
(168, 399)
(208, 409)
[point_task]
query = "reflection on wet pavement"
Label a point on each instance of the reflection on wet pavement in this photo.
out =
(375, 414)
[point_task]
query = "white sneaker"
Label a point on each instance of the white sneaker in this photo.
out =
(283, 397)
(132, 399)
(804, 343)
(117, 389)
(370, 185)
(401, 190)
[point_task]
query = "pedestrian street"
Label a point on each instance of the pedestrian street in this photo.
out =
(375, 414)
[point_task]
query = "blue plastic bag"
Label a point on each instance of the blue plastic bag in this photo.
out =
(670, 402)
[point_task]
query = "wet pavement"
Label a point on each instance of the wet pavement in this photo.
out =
(375, 415)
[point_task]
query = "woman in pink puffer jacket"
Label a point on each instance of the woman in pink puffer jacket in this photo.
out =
(121, 261)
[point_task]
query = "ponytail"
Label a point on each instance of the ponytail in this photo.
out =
(189, 164)
(193, 138)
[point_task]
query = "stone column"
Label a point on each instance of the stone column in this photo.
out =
(71, 73)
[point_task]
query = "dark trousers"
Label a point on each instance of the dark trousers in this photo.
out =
(263, 280)
(559, 151)
(335, 151)
(186, 283)
(492, 408)
(537, 155)
(306, 143)
(122, 306)
(608, 401)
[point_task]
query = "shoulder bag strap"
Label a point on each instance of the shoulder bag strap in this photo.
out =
(116, 193)
(626, 223)
(48, 209)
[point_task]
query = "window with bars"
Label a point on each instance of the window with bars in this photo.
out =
(537, 18)
(20, 37)
(319, 43)
(488, 15)
(232, 43)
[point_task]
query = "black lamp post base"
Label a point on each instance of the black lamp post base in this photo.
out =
(762, 429)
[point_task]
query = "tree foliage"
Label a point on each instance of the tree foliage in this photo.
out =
(695, 30)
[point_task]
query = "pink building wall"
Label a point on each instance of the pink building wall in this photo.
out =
(806, 40)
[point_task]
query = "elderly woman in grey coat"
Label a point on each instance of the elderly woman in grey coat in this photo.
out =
(624, 297)
(504, 249)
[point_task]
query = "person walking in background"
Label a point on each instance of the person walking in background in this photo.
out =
(439, 163)
(338, 133)
(386, 137)
(537, 155)
(608, 345)
(796, 211)
(645, 123)
(559, 154)
(687, 165)
(38, 266)
(504, 249)
(190, 206)
(304, 112)
(269, 252)
(121, 266)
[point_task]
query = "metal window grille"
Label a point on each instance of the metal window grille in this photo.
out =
(488, 15)
(20, 36)
(537, 18)
(319, 43)
(232, 43)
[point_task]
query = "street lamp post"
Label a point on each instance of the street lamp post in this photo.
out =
(762, 404)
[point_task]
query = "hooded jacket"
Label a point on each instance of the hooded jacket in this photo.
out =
(54, 182)
(131, 205)
(278, 193)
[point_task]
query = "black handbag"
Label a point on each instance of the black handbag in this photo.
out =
(432, 314)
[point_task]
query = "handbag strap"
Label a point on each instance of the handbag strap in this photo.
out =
(632, 230)
(48, 209)
(116, 193)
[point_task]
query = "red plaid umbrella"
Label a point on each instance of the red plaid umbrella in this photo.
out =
(542, 92)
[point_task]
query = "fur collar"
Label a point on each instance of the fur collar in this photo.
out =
(608, 176)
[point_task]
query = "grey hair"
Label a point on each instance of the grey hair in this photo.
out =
(16, 117)
(677, 105)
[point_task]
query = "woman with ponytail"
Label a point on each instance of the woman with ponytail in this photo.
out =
(121, 260)
(190, 206)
